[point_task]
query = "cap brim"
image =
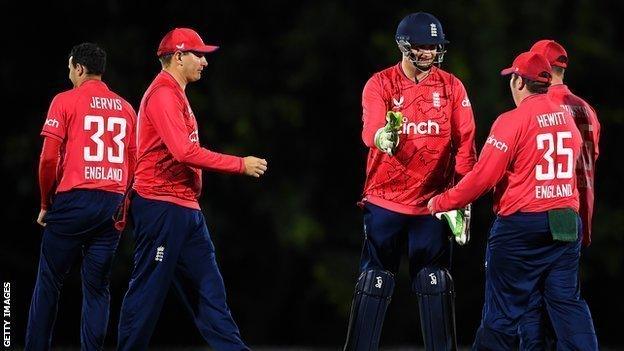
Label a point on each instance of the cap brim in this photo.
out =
(559, 64)
(507, 71)
(206, 48)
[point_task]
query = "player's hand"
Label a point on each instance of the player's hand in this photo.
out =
(387, 137)
(459, 222)
(255, 167)
(42, 214)
(431, 205)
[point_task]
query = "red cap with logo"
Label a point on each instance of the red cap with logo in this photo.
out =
(530, 65)
(554, 52)
(183, 39)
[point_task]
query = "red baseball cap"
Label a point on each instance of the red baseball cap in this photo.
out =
(554, 52)
(183, 39)
(530, 65)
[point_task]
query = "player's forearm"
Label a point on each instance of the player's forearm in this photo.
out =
(48, 162)
(368, 137)
(371, 127)
(373, 112)
(469, 189)
(132, 157)
(485, 174)
(197, 156)
(464, 161)
(464, 138)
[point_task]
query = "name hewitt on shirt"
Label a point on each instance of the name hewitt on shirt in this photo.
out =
(103, 173)
(105, 103)
(551, 119)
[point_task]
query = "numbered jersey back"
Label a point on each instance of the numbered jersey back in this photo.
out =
(96, 128)
(541, 144)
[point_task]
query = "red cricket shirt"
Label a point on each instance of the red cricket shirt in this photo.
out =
(170, 158)
(589, 126)
(436, 142)
(95, 128)
(530, 157)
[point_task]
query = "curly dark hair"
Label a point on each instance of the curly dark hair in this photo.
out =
(91, 56)
(534, 86)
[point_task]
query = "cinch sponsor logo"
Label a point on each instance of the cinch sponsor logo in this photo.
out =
(194, 136)
(434, 279)
(52, 122)
(379, 283)
(497, 144)
(428, 127)
(465, 102)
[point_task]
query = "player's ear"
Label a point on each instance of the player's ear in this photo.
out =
(81, 70)
(178, 57)
(521, 84)
(517, 82)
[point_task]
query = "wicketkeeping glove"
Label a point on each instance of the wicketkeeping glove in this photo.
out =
(387, 137)
(459, 221)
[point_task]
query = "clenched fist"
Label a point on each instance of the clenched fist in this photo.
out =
(255, 167)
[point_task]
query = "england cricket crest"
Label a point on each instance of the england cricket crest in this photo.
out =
(435, 98)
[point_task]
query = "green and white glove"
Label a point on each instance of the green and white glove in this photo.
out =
(459, 221)
(387, 137)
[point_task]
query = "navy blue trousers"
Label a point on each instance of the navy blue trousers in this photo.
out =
(388, 234)
(522, 260)
(172, 245)
(79, 226)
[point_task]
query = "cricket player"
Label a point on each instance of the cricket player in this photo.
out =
(172, 243)
(535, 325)
(87, 159)
(419, 127)
(530, 158)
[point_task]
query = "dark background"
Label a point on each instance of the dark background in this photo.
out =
(286, 86)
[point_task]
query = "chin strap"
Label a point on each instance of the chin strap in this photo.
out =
(406, 49)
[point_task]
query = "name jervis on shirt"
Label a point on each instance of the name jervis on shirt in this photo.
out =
(105, 103)
(103, 173)
(551, 119)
